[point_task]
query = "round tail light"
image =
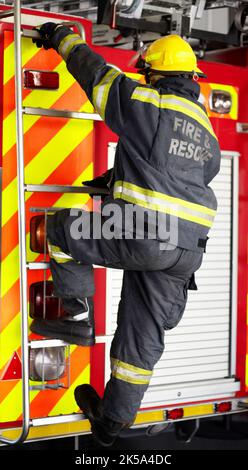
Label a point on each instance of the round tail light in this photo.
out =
(43, 303)
(38, 242)
(47, 363)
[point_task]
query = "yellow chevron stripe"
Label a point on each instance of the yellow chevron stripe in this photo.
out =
(37, 98)
(11, 406)
(10, 267)
(67, 403)
(10, 271)
(76, 200)
(10, 339)
(47, 160)
(27, 54)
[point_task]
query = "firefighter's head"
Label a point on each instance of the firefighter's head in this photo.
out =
(169, 56)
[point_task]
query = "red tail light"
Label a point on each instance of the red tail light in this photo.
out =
(41, 79)
(177, 413)
(37, 234)
(43, 304)
(223, 407)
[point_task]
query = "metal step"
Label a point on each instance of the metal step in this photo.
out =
(61, 114)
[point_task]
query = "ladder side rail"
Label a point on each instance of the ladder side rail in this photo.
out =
(22, 231)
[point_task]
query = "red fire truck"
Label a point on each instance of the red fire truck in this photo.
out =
(52, 140)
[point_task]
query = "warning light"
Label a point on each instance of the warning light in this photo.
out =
(223, 407)
(47, 363)
(51, 308)
(177, 413)
(37, 234)
(41, 79)
(220, 101)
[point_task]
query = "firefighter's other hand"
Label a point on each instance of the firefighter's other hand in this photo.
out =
(46, 32)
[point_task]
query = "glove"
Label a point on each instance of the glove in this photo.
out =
(46, 31)
(102, 181)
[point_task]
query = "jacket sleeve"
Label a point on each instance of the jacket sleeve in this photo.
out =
(212, 166)
(108, 89)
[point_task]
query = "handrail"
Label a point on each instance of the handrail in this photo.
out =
(21, 230)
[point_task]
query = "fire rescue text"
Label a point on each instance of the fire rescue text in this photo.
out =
(197, 144)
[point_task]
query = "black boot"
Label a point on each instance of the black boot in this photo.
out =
(77, 327)
(104, 430)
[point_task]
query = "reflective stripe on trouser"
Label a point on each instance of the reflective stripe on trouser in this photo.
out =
(163, 203)
(151, 301)
(57, 254)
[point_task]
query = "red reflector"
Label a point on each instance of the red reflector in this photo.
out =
(223, 407)
(42, 80)
(37, 234)
(51, 308)
(177, 413)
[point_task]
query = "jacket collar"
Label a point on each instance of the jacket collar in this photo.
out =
(180, 86)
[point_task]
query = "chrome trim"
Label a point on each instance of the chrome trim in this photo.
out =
(58, 419)
(46, 265)
(234, 267)
(61, 113)
(242, 127)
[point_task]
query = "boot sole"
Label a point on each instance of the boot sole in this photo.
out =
(64, 337)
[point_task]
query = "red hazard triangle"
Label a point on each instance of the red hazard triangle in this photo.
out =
(14, 369)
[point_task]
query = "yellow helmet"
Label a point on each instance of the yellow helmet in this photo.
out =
(171, 54)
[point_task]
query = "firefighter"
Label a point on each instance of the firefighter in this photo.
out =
(166, 157)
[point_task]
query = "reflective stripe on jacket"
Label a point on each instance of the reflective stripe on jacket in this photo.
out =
(167, 152)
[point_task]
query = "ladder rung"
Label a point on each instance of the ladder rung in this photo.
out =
(46, 265)
(49, 188)
(30, 33)
(61, 114)
(46, 343)
(53, 343)
(41, 265)
(47, 387)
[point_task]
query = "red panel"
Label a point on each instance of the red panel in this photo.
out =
(97, 367)
(100, 300)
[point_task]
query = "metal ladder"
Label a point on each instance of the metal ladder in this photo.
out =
(22, 189)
